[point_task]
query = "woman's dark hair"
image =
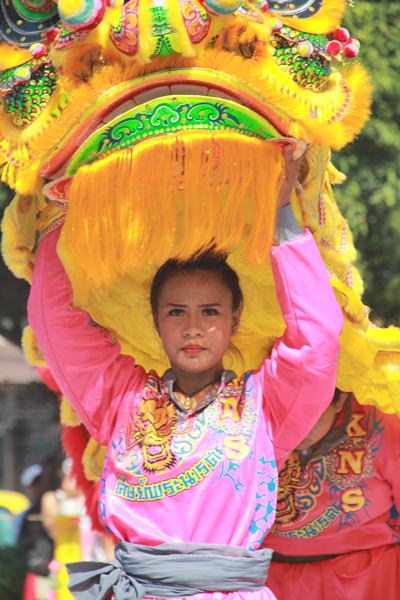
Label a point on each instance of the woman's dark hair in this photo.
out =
(206, 261)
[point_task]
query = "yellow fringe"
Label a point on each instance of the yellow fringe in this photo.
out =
(170, 196)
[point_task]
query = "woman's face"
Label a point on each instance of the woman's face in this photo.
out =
(320, 429)
(324, 423)
(195, 321)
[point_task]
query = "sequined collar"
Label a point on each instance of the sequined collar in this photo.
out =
(169, 379)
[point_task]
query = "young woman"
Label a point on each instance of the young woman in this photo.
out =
(189, 480)
(337, 529)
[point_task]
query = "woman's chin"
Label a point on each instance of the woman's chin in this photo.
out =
(196, 364)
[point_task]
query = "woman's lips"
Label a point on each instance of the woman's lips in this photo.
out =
(193, 349)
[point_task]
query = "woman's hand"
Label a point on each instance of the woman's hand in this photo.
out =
(290, 174)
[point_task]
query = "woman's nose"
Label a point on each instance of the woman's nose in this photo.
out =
(193, 328)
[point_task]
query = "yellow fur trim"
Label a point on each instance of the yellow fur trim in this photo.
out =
(261, 75)
(13, 154)
(24, 180)
(68, 415)
(341, 132)
(31, 349)
(319, 212)
(369, 365)
(12, 56)
(206, 191)
(335, 176)
(93, 460)
(276, 86)
(18, 239)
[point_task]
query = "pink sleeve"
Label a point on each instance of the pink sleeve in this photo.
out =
(298, 379)
(87, 366)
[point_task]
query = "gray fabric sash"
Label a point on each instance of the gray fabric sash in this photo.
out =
(169, 571)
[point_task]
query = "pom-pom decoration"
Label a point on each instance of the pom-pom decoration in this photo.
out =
(81, 14)
(276, 24)
(305, 49)
(37, 50)
(350, 51)
(354, 42)
(342, 45)
(333, 48)
(22, 74)
(341, 34)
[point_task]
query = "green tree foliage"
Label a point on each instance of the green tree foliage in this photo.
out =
(370, 198)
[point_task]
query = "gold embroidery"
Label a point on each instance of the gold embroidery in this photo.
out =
(155, 423)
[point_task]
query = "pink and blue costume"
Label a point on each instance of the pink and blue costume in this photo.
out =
(208, 476)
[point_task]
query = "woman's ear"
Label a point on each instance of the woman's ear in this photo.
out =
(236, 320)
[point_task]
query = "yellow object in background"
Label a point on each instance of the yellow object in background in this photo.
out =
(67, 549)
(13, 502)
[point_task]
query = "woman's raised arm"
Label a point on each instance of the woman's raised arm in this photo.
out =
(86, 364)
(299, 377)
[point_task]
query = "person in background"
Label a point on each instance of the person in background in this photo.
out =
(66, 501)
(337, 529)
(33, 538)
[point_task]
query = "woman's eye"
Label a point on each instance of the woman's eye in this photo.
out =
(209, 312)
(175, 312)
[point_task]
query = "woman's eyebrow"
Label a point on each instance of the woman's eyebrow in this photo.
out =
(176, 304)
(209, 304)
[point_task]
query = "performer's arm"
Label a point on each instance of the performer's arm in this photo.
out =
(299, 377)
(86, 364)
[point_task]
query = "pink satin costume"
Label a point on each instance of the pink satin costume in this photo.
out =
(345, 502)
(210, 477)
